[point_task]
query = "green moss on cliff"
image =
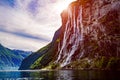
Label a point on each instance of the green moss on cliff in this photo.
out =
(37, 63)
(114, 63)
(44, 48)
(45, 59)
(102, 63)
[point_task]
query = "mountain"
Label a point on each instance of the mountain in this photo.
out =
(11, 59)
(89, 38)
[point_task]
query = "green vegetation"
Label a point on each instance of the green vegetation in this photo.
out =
(44, 60)
(37, 64)
(58, 40)
(52, 66)
(11, 58)
(44, 48)
(114, 63)
(79, 64)
(102, 63)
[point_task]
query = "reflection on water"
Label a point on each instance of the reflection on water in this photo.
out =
(60, 75)
(64, 75)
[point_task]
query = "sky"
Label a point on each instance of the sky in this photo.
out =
(29, 24)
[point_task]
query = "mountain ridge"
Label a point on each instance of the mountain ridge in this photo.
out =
(11, 59)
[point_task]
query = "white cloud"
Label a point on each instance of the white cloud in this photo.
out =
(16, 42)
(43, 22)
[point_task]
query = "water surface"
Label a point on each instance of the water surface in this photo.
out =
(60, 75)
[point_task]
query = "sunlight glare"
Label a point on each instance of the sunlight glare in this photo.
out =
(62, 5)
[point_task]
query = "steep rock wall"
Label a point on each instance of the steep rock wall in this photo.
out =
(90, 35)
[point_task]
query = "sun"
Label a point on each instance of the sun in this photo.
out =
(62, 5)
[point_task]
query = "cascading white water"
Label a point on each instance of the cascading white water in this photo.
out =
(81, 28)
(75, 38)
(63, 48)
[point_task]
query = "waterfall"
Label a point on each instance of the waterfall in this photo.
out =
(63, 44)
(82, 29)
(74, 41)
(76, 38)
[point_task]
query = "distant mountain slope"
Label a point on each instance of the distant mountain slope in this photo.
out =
(11, 59)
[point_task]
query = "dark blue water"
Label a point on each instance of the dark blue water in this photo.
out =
(60, 75)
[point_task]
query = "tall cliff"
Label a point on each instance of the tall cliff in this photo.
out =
(88, 38)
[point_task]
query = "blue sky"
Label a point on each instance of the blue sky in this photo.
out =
(10, 3)
(29, 24)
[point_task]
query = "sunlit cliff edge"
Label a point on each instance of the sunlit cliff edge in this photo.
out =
(89, 38)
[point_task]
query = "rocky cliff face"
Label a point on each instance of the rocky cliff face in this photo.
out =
(88, 38)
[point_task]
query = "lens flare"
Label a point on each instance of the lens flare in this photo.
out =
(62, 5)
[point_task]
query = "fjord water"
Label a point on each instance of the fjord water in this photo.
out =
(60, 75)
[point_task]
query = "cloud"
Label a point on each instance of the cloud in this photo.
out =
(17, 42)
(30, 21)
(22, 34)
